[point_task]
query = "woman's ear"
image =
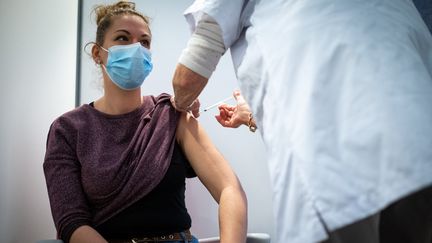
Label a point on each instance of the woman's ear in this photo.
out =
(96, 54)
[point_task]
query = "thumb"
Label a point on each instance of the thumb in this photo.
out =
(239, 98)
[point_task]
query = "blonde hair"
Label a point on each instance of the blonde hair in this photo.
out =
(106, 12)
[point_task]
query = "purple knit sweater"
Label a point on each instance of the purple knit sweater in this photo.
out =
(98, 164)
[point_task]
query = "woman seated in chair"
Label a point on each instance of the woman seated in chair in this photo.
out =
(116, 168)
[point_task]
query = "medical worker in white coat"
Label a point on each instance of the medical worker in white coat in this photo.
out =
(341, 91)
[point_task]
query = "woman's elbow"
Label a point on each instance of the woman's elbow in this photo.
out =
(235, 191)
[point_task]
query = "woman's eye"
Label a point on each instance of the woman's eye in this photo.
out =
(121, 38)
(145, 43)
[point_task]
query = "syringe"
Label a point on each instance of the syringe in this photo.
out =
(218, 103)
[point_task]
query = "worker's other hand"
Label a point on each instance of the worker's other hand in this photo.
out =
(192, 108)
(195, 108)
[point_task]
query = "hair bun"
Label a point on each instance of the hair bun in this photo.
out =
(104, 10)
(125, 5)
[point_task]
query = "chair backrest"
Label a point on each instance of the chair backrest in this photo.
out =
(251, 238)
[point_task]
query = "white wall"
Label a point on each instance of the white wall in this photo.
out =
(243, 149)
(37, 84)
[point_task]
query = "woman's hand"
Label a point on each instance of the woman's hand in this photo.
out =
(234, 116)
(86, 233)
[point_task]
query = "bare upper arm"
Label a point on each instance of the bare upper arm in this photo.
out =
(209, 164)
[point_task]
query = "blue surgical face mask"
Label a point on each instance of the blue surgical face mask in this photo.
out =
(128, 65)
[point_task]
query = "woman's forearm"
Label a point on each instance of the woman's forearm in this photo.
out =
(233, 215)
(86, 234)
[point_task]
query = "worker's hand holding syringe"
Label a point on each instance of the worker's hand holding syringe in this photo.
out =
(234, 116)
(229, 115)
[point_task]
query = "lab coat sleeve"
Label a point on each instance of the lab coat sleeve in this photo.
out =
(227, 13)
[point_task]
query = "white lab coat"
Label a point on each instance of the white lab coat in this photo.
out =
(342, 94)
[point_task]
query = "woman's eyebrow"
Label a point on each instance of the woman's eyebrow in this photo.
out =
(127, 32)
(122, 30)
